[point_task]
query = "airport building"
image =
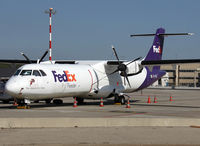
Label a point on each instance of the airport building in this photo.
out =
(181, 75)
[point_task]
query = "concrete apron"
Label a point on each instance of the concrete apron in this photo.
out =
(95, 122)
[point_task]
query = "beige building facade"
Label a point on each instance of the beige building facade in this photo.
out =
(183, 74)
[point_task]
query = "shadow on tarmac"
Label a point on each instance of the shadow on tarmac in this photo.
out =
(162, 105)
(92, 103)
(44, 105)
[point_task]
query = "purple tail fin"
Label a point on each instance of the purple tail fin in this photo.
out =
(156, 50)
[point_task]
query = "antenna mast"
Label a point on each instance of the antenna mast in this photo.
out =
(50, 12)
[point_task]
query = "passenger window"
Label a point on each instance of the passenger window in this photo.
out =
(43, 73)
(36, 73)
(17, 72)
(26, 72)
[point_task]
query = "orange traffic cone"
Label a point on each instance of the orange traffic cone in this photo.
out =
(101, 102)
(149, 100)
(170, 99)
(128, 104)
(155, 100)
(15, 102)
(75, 102)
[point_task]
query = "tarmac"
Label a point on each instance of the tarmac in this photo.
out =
(166, 122)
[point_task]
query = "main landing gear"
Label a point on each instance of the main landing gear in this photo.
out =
(57, 101)
(48, 101)
(119, 99)
(80, 100)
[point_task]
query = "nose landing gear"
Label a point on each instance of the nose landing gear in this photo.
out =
(23, 104)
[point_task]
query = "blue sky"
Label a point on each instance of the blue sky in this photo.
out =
(86, 29)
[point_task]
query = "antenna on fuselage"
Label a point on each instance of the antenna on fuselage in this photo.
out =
(50, 12)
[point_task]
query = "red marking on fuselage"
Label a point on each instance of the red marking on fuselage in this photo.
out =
(32, 81)
(160, 50)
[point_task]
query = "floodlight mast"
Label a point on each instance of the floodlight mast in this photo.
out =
(50, 12)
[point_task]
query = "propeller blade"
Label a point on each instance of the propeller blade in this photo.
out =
(124, 80)
(122, 67)
(126, 76)
(45, 53)
(114, 72)
(26, 57)
(134, 60)
(116, 54)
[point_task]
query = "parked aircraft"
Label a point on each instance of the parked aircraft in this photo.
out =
(89, 79)
(3, 96)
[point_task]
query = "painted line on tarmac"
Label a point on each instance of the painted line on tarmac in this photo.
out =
(94, 122)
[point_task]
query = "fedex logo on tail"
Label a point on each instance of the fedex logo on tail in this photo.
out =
(157, 49)
(65, 77)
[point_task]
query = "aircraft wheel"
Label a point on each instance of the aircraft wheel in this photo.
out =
(6, 101)
(122, 100)
(20, 102)
(36, 101)
(117, 99)
(48, 101)
(57, 101)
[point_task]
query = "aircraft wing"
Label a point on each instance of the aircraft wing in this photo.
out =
(16, 61)
(89, 62)
(65, 62)
(166, 62)
(9, 66)
(114, 62)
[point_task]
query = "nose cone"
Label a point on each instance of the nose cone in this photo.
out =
(12, 88)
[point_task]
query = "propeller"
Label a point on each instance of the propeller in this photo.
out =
(123, 67)
(41, 59)
(26, 57)
(44, 55)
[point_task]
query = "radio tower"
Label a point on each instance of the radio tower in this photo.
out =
(50, 12)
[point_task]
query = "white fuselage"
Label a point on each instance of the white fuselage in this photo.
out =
(43, 81)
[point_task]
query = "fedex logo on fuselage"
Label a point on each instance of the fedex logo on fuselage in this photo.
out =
(65, 77)
(157, 50)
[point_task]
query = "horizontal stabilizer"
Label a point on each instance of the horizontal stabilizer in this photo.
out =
(161, 34)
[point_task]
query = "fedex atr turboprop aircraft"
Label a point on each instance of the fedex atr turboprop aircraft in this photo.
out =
(89, 79)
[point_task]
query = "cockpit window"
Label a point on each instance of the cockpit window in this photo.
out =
(43, 73)
(36, 73)
(26, 72)
(17, 72)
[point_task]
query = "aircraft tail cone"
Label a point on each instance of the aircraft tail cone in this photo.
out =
(155, 100)
(128, 104)
(75, 102)
(101, 102)
(149, 100)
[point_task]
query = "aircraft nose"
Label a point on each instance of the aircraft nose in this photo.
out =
(11, 88)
